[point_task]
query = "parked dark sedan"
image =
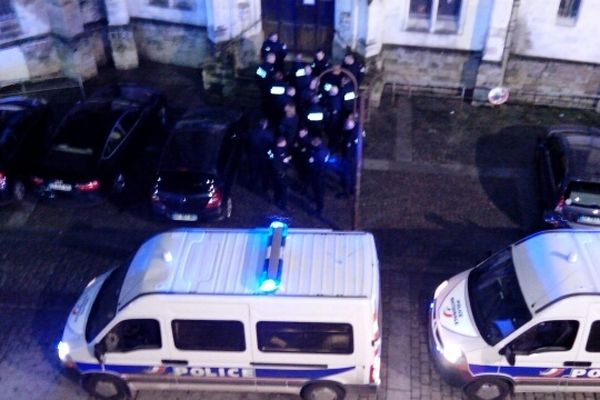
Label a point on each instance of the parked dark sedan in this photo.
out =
(198, 166)
(23, 132)
(569, 166)
(96, 145)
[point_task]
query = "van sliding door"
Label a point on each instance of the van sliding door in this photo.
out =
(210, 346)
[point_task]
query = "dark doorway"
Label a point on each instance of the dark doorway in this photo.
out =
(304, 25)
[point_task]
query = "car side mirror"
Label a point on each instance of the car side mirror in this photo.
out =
(99, 351)
(509, 353)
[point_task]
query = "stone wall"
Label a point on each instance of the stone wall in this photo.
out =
(168, 43)
(422, 66)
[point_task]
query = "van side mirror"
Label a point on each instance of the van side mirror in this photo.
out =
(554, 219)
(509, 353)
(99, 351)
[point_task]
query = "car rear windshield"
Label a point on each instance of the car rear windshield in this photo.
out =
(105, 305)
(584, 194)
(193, 150)
(496, 299)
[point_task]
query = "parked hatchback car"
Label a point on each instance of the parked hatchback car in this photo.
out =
(198, 165)
(569, 167)
(98, 141)
(23, 132)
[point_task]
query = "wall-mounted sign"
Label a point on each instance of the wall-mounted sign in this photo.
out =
(308, 2)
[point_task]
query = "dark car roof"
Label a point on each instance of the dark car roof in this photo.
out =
(196, 140)
(583, 151)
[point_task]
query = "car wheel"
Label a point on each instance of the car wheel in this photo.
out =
(488, 388)
(228, 208)
(18, 191)
(107, 387)
(322, 391)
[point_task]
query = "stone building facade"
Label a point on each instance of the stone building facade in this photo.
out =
(541, 50)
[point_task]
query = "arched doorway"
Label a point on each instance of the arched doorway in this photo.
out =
(304, 25)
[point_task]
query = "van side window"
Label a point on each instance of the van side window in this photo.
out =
(547, 336)
(208, 335)
(133, 334)
(305, 337)
(593, 343)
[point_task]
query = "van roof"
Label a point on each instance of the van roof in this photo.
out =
(230, 262)
(555, 264)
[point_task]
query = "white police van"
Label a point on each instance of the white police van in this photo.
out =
(526, 319)
(268, 310)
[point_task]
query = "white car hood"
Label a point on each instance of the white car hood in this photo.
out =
(80, 312)
(454, 313)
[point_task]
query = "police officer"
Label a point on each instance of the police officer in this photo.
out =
(354, 66)
(297, 69)
(301, 149)
(288, 126)
(259, 143)
(317, 166)
(330, 79)
(273, 45)
(264, 77)
(314, 118)
(280, 158)
(350, 136)
(348, 96)
(333, 106)
(276, 97)
(289, 97)
(320, 62)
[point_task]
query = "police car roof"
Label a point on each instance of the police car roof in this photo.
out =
(230, 261)
(552, 265)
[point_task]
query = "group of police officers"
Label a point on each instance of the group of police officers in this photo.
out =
(309, 123)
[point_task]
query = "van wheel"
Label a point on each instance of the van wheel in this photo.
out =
(322, 391)
(18, 191)
(106, 387)
(488, 388)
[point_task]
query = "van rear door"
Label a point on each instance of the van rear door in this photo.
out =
(210, 345)
(584, 370)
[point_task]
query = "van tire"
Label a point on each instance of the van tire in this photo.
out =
(488, 388)
(106, 387)
(322, 391)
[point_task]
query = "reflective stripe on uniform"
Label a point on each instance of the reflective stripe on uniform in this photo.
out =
(261, 72)
(349, 96)
(317, 116)
(277, 90)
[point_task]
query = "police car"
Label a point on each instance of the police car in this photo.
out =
(268, 310)
(526, 319)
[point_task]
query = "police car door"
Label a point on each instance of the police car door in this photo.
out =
(583, 373)
(134, 348)
(541, 353)
(210, 345)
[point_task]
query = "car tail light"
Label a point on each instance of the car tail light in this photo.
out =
(374, 371)
(88, 187)
(560, 204)
(215, 199)
(37, 181)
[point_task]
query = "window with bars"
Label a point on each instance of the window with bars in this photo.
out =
(438, 16)
(568, 10)
(183, 5)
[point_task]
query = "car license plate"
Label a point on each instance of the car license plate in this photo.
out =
(586, 219)
(60, 186)
(184, 217)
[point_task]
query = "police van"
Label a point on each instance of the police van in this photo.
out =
(526, 319)
(269, 310)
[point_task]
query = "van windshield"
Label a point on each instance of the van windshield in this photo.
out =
(105, 305)
(495, 297)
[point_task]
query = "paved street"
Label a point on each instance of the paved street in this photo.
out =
(436, 208)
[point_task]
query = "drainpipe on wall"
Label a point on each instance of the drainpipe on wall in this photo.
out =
(512, 23)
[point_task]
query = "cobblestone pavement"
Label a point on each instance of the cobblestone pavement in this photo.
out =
(431, 219)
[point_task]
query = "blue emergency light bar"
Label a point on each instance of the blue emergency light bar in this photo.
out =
(270, 277)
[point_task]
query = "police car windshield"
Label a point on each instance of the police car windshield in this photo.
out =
(105, 305)
(495, 297)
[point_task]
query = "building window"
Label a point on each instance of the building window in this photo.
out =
(568, 11)
(9, 23)
(439, 16)
(183, 5)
